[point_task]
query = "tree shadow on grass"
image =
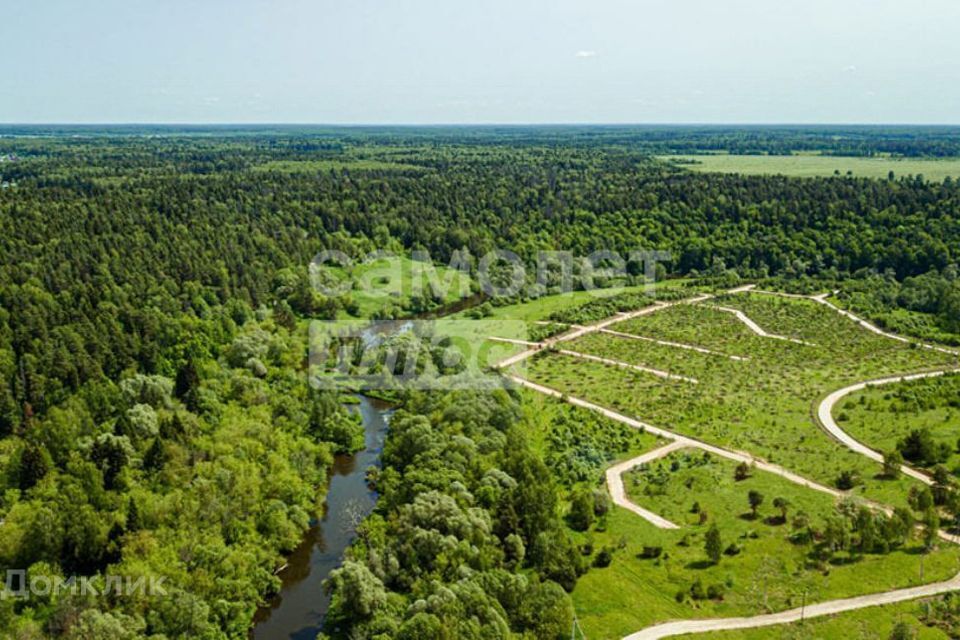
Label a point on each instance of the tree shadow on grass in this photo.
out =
(913, 551)
(846, 560)
(699, 564)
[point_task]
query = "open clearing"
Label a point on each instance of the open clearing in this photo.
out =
(763, 405)
(391, 285)
(762, 402)
(813, 165)
(769, 572)
(882, 416)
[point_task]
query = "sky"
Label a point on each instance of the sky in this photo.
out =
(480, 61)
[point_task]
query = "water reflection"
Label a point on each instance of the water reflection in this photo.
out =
(296, 613)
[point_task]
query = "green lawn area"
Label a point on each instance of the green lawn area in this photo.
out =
(881, 416)
(769, 573)
(517, 321)
(764, 405)
(806, 166)
(875, 623)
(541, 308)
(392, 284)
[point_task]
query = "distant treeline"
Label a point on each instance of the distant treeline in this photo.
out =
(842, 140)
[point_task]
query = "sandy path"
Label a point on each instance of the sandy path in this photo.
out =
(793, 615)
(757, 329)
(668, 343)
(626, 365)
(825, 417)
(619, 494)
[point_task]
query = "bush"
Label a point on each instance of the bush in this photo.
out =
(604, 558)
(581, 513)
(715, 592)
(742, 472)
(848, 479)
(697, 592)
(649, 553)
(601, 503)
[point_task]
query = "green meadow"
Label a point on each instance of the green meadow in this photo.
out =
(882, 416)
(763, 405)
(874, 623)
(809, 166)
(763, 568)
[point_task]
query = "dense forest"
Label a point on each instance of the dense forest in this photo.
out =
(155, 414)
(908, 141)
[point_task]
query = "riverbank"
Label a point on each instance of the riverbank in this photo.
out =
(297, 611)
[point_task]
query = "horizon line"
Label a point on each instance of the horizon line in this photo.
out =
(475, 124)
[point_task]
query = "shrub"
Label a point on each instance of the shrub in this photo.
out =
(649, 553)
(715, 592)
(697, 591)
(848, 479)
(604, 558)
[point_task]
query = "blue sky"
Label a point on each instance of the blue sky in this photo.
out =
(498, 61)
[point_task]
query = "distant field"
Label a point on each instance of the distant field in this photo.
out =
(807, 166)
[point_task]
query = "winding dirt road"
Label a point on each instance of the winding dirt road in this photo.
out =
(619, 494)
(757, 329)
(825, 417)
(825, 409)
(793, 615)
(686, 441)
(626, 365)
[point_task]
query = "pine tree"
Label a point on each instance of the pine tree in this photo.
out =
(714, 544)
(34, 465)
(133, 516)
(188, 385)
(156, 456)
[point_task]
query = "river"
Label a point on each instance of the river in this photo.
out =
(297, 611)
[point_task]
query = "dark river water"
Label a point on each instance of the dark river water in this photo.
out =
(296, 613)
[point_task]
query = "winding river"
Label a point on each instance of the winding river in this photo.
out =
(297, 611)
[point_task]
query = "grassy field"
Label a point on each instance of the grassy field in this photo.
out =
(518, 321)
(392, 282)
(881, 416)
(807, 166)
(542, 308)
(763, 405)
(769, 573)
(875, 623)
